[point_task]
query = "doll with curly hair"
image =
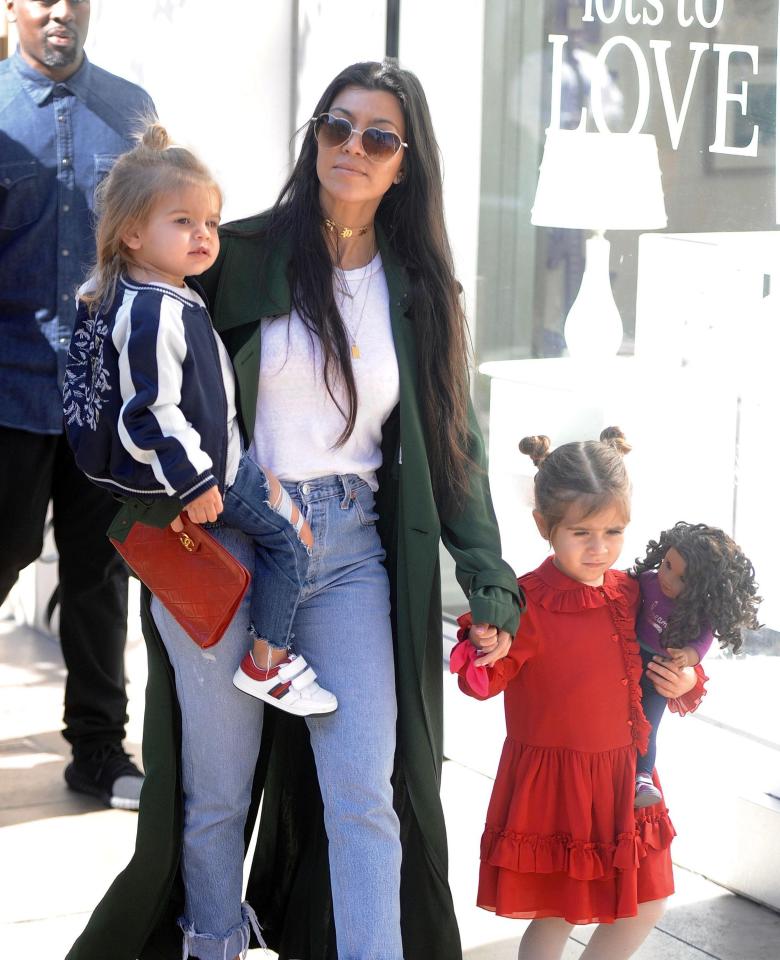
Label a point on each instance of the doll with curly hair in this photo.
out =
(695, 584)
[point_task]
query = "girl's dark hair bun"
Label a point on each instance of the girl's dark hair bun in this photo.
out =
(536, 448)
(616, 438)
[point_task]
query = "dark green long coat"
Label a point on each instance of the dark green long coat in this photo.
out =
(289, 884)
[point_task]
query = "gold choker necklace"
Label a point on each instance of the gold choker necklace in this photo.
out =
(344, 232)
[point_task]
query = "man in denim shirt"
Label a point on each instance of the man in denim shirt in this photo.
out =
(62, 123)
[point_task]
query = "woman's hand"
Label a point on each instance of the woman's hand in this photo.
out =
(493, 644)
(670, 680)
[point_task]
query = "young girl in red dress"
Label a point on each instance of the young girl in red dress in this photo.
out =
(563, 844)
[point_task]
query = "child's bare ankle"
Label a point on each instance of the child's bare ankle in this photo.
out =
(267, 657)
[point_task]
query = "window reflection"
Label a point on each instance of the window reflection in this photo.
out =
(703, 295)
(529, 277)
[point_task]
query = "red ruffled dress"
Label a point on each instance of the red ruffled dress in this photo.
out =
(562, 838)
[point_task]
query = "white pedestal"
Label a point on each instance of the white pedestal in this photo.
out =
(682, 428)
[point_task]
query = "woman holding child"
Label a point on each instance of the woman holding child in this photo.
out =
(342, 317)
(343, 320)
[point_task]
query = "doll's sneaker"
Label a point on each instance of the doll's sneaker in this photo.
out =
(646, 793)
(291, 686)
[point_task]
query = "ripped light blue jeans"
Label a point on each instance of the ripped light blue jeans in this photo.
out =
(342, 627)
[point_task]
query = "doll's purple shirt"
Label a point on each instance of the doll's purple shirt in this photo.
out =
(653, 617)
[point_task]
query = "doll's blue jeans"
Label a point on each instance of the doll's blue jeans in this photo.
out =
(342, 627)
(280, 558)
(653, 705)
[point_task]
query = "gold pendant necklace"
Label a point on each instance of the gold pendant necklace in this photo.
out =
(344, 232)
(367, 273)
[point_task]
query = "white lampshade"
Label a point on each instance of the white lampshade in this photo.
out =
(599, 181)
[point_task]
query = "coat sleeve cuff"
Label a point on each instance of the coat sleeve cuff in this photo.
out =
(497, 605)
(154, 513)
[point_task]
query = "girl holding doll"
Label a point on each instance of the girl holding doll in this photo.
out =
(563, 844)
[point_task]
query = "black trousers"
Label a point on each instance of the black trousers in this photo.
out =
(653, 704)
(35, 469)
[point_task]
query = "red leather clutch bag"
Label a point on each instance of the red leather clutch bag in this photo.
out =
(196, 579)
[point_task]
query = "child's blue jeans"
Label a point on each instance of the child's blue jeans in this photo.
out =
(281, 559)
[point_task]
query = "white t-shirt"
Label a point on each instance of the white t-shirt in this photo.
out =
(297, 423)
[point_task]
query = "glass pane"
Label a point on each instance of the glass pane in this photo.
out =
(699, 299)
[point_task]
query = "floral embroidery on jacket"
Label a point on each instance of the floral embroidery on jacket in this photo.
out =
(86, 379)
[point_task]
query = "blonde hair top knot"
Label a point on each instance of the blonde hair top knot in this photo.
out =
(154, 137)
(138, 179)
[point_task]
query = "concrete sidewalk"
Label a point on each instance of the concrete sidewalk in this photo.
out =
(59, 851)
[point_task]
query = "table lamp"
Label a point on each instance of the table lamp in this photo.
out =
(598, 182)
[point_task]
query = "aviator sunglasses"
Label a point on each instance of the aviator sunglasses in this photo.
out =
(378, 145)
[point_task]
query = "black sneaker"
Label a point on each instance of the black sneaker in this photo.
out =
(107, 773)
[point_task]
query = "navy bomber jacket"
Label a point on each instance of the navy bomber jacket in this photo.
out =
(144, 397)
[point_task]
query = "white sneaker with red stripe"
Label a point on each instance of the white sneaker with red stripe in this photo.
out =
(291, 686)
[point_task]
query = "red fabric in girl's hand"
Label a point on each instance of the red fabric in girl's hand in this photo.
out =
(462, 658)
(691, 700)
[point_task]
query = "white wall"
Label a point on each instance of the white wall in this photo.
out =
(442, 42)
(220, 75)
(331, 35)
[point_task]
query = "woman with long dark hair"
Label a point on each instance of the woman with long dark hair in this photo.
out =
(343, 318)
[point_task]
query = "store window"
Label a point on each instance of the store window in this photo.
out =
(698, 74)
(698, 298)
